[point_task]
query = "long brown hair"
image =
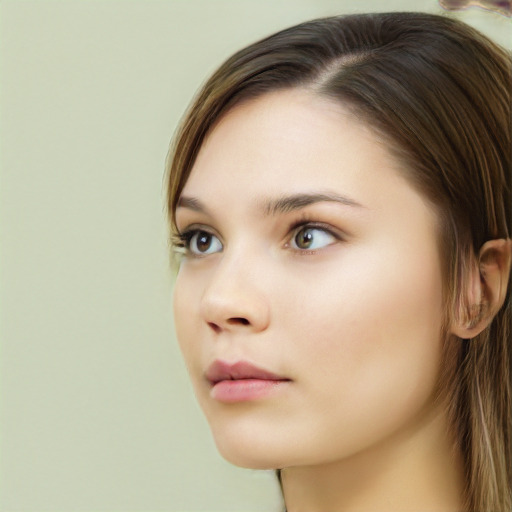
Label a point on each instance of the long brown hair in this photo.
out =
(440, 93)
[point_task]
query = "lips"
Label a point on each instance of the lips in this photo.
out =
(221, 371)
(243, 382)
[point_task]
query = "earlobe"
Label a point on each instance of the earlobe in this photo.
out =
(485, 288)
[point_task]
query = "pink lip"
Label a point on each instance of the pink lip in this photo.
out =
(241, 381)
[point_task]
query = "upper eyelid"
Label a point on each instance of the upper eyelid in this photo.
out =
(183, 236)
(294, 226)
(301, 219)
(196, 226)
(328, 228)
(291, 227)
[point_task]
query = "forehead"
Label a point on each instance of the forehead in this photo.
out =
(290, 142)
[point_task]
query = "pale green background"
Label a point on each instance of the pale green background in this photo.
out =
(97, 411)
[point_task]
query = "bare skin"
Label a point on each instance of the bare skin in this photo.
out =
(374, 480)
(351, 318)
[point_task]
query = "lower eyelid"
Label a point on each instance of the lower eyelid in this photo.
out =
(306, 252)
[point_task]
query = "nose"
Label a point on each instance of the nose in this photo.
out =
(235, 299)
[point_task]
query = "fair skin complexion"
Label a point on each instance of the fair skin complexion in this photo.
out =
(342, 296)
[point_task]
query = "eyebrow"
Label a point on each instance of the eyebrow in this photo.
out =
(294, 202)
(191, 203)
(284, 204)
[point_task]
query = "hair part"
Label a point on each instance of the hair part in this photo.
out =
(439, 93)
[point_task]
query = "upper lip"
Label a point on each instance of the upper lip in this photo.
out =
(220, 370)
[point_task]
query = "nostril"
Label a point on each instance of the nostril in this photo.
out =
(215, 327)
(234, 321)
(238, 320)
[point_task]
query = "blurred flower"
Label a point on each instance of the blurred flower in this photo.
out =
(501, 7)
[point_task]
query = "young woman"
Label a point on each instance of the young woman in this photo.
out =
(340, 195)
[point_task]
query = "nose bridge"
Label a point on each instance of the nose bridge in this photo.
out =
(234, 297)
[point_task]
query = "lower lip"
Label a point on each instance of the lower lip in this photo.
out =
(244, 390)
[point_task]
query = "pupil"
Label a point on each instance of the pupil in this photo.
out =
(304, 238)
(203, 241)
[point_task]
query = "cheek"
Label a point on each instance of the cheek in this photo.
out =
(369, 349)
(185, 307)
(366, 303)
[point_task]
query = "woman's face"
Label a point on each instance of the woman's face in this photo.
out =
(311, 258)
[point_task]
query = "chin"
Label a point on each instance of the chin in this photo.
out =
(247, 458)
(250, 463)
(247, 454)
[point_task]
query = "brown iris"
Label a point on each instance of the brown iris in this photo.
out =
(304, 238)
(204, 241)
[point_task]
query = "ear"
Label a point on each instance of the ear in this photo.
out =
(485, 288)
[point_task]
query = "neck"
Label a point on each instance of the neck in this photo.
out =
(414, 471)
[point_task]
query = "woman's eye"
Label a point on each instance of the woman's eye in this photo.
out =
(202, 242)
(311, 238)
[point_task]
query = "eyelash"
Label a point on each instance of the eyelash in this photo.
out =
(181, 240)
